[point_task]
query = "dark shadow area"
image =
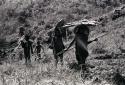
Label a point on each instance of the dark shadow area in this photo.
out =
(110, 56)
(118, 79)
(74, 66)
(102, 57)
(47, 59)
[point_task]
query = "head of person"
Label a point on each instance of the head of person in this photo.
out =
(58, 28)
(21, 29)
(57, 32)
(38, 42)
(60, 23)
(82, 29)
(27, 37)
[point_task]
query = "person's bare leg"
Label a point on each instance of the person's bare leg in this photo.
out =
(25, 60)
(39, 55)
(61, 59)
(29, 60)
(56, 61)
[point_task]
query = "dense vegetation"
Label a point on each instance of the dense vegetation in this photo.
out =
(41, 15)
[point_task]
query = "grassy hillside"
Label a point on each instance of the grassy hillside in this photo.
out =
(45, 14)
(41, 15)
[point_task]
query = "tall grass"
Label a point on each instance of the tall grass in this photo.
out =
(44, 14)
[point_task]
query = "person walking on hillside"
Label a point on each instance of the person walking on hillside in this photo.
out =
(28, 49)
(21, 31)
(38, 49)
(81, 43)
(57, 43)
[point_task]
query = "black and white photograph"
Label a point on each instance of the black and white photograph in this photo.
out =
(62, 42)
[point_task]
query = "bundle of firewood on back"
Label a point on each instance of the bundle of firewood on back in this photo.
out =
(84, 21)
(75, 23)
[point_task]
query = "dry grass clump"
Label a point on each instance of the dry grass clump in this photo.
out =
(42, 15)
(44, 72)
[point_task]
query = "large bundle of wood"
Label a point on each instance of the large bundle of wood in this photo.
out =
(75, 23)
(85, 22)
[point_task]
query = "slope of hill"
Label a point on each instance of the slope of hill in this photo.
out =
(42, 15)
(45, 14)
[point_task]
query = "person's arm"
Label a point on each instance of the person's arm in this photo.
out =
(71, 44)
(34, 49)
(31, 48)
(22, 44)
(66, 48)
(52, 43)
(43, 49)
